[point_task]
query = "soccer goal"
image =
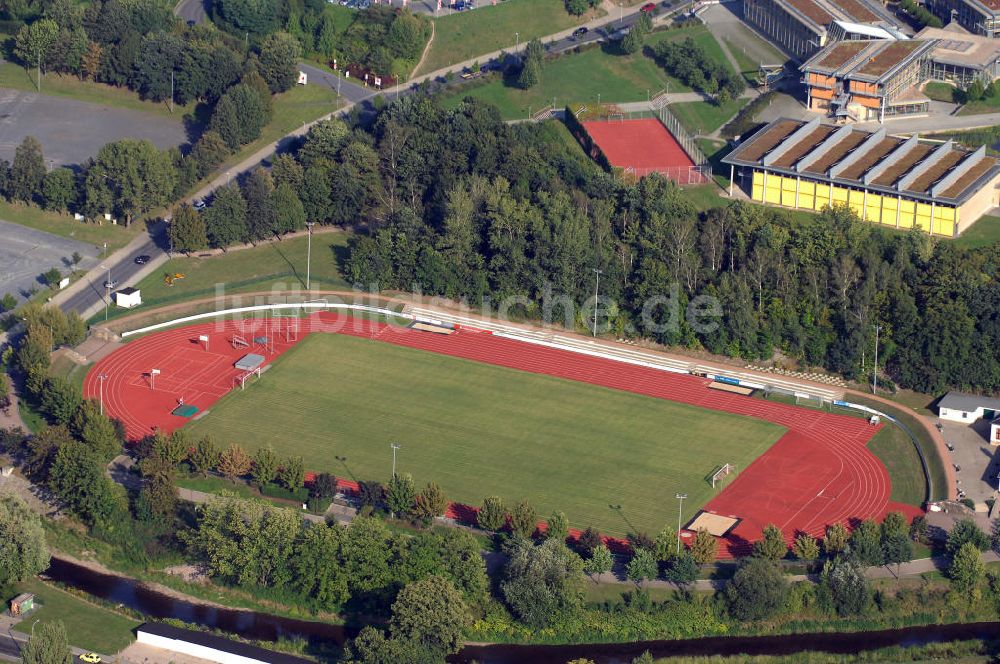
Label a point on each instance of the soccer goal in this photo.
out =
(720, 475)
(809, 401)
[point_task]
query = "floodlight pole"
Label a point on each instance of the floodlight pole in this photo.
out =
(680, 506)
(394, 446)
(102, 378)
(597, 286)
(309, 248)
(878, 328)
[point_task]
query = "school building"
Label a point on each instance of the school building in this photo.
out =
(865, 80)
(802, 27)
(980, 17)
(900, 182)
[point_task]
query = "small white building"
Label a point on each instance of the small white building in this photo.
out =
(209, 647)
(128, 297)
(967, 408)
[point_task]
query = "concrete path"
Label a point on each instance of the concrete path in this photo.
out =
(931, 124)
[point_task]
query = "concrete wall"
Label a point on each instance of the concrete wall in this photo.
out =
(194, 650)
(968, 417)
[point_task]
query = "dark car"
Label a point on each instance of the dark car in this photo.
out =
(666, 4)
(579, 32)
(648, 7)
(142, 260)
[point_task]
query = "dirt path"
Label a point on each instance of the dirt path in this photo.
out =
(427, 49)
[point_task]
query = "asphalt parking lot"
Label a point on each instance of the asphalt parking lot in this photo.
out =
(975, 457)
(72, 131)
(26, 253)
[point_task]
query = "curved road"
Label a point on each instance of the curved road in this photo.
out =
(87, 297)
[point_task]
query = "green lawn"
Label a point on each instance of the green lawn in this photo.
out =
(64, 225)
(259, 268)
(702, 117)
(748, 66)
(983, 233)
(88, 626)
(468, 34)
(581, 77)
(59, 85)
(896, 452)
(940, 91)
(985, 105)
(479, 430)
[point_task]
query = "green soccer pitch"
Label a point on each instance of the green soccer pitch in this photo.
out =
(608, 459)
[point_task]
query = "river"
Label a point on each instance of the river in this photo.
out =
(266, 627)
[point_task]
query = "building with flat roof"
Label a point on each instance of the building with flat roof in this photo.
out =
(895, 181)
(802, 27)
(961, 58)
(863, 80)
(980, 17)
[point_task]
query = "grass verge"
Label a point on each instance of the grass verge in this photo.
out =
(64, 225)
(702, 117)
(80, 617)
(896, 452)
(464, 35)
(61, 85)
(935, 465)
(478, 429)
(280, 266)
(983, 233)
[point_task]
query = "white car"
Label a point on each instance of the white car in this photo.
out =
(199, 205)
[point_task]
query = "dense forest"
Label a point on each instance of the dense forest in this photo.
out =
(458, 203)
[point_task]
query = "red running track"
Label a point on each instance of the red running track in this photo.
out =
(820, 472)
(639, 144)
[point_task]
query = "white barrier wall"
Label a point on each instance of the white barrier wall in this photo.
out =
(193, 649)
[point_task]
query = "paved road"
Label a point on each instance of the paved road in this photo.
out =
(191, 10)
(122, 268)
(88, 297)
(349, 90)
(72, 131)
(25, 253)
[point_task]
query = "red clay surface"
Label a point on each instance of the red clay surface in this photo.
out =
(639, 144)
(820, 472)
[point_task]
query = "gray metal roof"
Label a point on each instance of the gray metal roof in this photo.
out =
(968, 402)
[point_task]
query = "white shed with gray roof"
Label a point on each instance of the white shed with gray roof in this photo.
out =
(961, 407)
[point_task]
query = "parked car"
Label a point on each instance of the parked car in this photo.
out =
(648, 7)
(579, 32)
(199, 205)
(90, 658)
(468, 74)
(142, 260)
(666, 4)
(111, 284)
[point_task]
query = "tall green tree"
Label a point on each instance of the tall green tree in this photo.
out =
(96, 430)
(524, 519)
(492, 515)
(967, 571)
(23, 553)
(226, 218)
(757, 590)
(771, 545)
(265, 466)
(58, 189)
(400, 494)
(260, 213)
(289, 215)
(27, 171)
(187, 231)
(34, 41)
(542, 584)
(48, 645)
(600, 562)
(431, 613)
(278, 61)
(132, 176)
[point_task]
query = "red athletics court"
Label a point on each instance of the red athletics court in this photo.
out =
(820, 472)
(642, 147)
